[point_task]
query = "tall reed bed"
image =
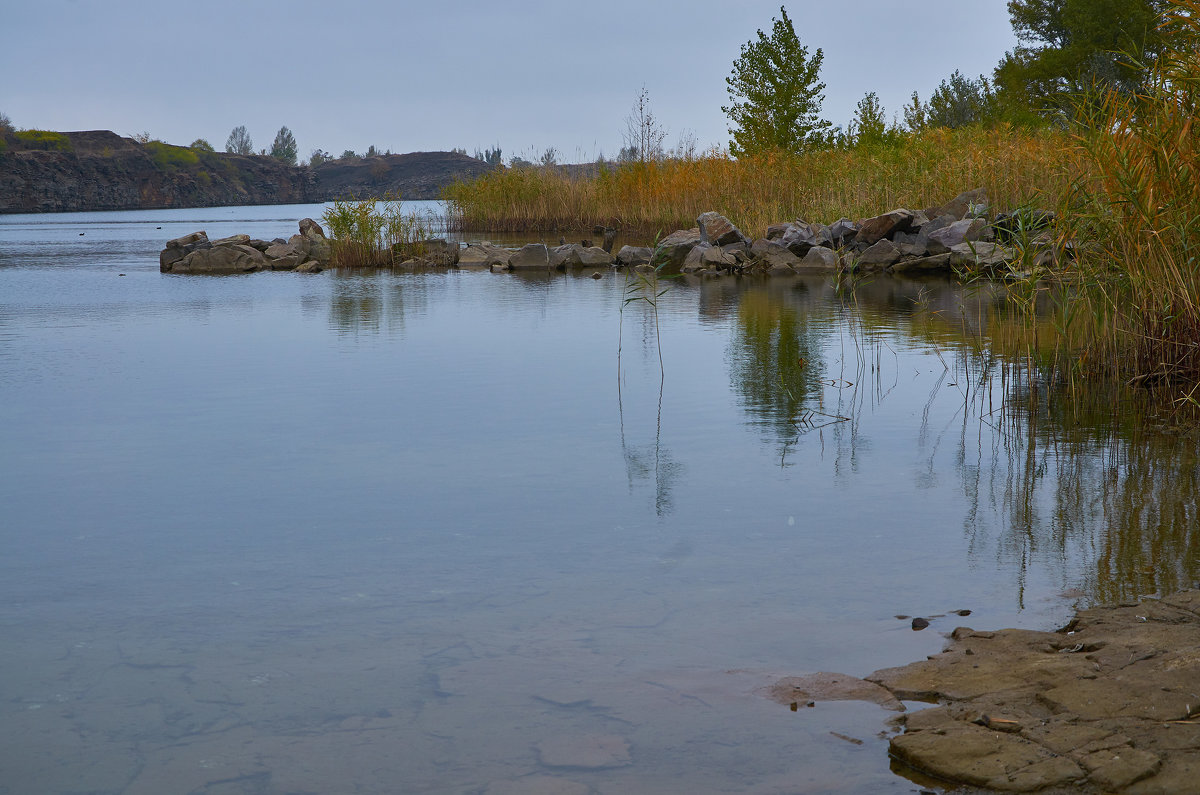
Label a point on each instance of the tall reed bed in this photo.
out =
(923, 170)
(1141, 210)
(374, 234)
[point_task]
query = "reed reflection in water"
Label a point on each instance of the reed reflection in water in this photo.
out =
(1099, 475)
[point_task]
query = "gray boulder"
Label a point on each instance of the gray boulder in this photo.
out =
(576, 255)
(872, 230)
(179, 248)
(221, 259)
(632, 256)
(484, 255)
(945, 239)
(939, 222)
(319, 248)
(773, 255)
(971, 203)
(777, 231)
(233, 240)
(914, 246)
(819, 259)
(800, 237)
(437, 251)
(980, 256)
(531, 256)
(882, 254)
(843, 232)
(673, 249)
(707, 257)
(718, 230)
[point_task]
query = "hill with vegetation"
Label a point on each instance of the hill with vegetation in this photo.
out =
(46, 171)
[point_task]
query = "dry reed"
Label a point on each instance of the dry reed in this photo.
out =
(1015, 165)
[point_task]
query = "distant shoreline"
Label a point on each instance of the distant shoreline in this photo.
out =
(98, 170)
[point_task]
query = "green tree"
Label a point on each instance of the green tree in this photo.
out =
(961, 101)
(1067, 47)
(239, 142)
(870, 124)
(201, 145)
(916, 115)
(6, 125)
(489, 156)
(775, 94)
(284, 147)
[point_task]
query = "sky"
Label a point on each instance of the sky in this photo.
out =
(404, 76)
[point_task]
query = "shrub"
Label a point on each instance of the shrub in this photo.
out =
(169, 158)
(374, 233)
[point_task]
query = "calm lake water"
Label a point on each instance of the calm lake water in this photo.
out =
(393, 532)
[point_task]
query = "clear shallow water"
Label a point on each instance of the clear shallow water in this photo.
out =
(381, 532)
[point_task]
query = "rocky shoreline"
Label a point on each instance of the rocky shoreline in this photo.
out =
(956, 237)
(1109, 703)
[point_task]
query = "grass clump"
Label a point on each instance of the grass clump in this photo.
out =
(44, 139)
(374, 233)
(920, 170)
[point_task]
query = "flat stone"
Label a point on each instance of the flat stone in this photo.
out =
(969, 754)
(826, 686)
(591, 751)
(1107, 704)
(1116, 769)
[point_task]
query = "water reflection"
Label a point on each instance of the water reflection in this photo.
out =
(1055, 477)
(363, 301)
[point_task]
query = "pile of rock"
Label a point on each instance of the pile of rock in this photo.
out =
(954, 236)
(306, 252)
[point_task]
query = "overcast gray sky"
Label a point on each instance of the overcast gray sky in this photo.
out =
(422, 76)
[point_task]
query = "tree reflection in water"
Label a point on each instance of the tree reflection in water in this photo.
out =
(1066, 475)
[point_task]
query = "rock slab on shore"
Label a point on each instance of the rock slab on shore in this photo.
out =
(1109, 703)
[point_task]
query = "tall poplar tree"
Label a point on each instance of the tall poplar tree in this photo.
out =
(775, 94)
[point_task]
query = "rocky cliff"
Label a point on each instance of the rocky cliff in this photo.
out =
(100, 170)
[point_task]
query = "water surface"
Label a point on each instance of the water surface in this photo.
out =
(395, 532)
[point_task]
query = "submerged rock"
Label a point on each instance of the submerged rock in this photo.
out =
(591, 751)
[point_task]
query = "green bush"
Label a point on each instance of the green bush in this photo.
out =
(45, 139)
(169, 158)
